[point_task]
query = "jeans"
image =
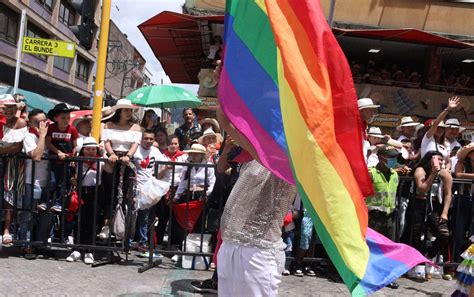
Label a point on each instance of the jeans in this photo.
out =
(59, 175)
(24, 211)
(288, 239)
(142, 226)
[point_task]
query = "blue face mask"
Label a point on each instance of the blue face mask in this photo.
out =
(392, 162)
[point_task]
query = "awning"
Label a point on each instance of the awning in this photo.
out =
(178, 41)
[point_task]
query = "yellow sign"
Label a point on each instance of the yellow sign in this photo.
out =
(50, 47)
(388, 120)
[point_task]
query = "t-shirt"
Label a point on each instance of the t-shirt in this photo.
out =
(41, 174)
(144, 160)
(63, 140)
(89, 174)
(178, 170)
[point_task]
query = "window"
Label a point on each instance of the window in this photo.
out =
(66, 14)
(47, 4)
(62, 63)
(82, 68)
(33, 31)
(8, 24)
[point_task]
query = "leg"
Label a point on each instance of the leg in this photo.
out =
(447, 186)
(163, 213)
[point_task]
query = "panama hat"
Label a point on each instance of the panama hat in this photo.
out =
(90, 142)
(123, 103)
(364, 103)
(210, 132)
(197, 149)
(407, 122)
(375, 132)
(213, 122)
(59, 108)
(107, 113)
(8, 99)
(454, 123)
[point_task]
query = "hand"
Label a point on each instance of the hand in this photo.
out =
(453, 102)
(43, 129)
(229, 144)
(125, 160)
(113, 158)
(212, 148)
(61, 155)
(435, 165)
(386, 138)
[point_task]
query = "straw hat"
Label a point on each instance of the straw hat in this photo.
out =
(197, 149)
(454, 123)
(407, 122)
(107, 113)
(210, 132)
(375, 132)
(8, 99)
(213, 122)
(364, 103)
(123, 103)
(90, 142)
(463, 152)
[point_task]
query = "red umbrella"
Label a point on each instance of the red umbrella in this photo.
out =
(75, 115)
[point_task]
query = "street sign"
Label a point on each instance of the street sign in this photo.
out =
(50, 47)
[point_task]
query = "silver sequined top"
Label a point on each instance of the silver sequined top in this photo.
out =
(254, 212)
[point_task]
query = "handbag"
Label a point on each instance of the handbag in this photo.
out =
(118, 220)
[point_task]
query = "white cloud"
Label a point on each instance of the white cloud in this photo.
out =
(128, 14)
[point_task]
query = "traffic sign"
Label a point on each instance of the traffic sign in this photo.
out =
(50, 47)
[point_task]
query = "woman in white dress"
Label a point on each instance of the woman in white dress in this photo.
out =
(121, 139)
(12, 134)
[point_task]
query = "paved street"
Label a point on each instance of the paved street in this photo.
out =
(48, 276)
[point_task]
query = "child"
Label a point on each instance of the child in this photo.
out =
(464, 285)
(88, 182)
(61, 140)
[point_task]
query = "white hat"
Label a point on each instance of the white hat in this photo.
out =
(90, 142)
(364, 103)
(407, 122)
(210, 132)
(196, 148)
(213, 122)
(123, 103)
(375, 132)
(107, 113)
(454, 123)
(7, 99)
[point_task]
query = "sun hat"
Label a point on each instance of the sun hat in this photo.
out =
(123, 103)
(90, 142)
(7, 99)
(464, 151)
(59, 108)
(196, 148)
(364, 103)
(210, 132)
(407, 122)
(375, 132)
(454, 123)
(213, 122)
(107, 113)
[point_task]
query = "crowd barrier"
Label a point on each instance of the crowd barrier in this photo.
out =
(50, 231)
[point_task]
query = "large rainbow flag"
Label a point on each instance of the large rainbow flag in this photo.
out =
(286, 86)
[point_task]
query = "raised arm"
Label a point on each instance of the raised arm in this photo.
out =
(453, 102)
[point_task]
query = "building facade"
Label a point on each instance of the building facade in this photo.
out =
(63, 79)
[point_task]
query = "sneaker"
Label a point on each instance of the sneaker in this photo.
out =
(88, 258)
(175, 258)
(74, 256)
(104, 233)
(56, 208)
(212, 266)
(41, 207)
(205, 286)
(298, 272)
(142, 248)
(286, 272)
(156, 255)
(309, 272)
(393, 285)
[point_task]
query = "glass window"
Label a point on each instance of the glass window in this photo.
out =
(62, 63)
(47, 4)
(82, 68)
(66, 14)
(8, 24)
(33, 31)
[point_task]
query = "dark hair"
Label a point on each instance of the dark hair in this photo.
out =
(467, 164)
(171, 137)
(425, 162)
(188, 108)
(148, 111)
(162, 130)
(34, 113)
(148, 131)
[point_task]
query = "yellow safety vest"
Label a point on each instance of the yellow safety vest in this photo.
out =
(385, 192)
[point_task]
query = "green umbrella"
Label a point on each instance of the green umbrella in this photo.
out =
(164, 97)
(33, 100)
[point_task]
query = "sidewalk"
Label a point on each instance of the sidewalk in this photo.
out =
(49, 276)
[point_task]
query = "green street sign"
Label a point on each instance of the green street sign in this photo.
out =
(50, 47)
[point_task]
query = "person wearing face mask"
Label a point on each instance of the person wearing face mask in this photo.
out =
(381, 206)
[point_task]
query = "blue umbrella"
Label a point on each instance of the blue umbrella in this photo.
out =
(33, 100)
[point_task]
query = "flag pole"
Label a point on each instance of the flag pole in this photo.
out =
(100, 71)
(18, 51)
(331, 13)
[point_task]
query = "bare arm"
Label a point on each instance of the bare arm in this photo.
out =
(423, 183)
(38, 152)
(459, 172)
(11, 149)
(453, 102)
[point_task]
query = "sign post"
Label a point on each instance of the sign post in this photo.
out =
(50, 47)
(18, 50)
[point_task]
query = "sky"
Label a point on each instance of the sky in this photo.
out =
(128, 14)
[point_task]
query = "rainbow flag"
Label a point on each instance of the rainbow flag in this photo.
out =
(287, 87)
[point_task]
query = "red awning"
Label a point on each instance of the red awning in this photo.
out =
(179, 44)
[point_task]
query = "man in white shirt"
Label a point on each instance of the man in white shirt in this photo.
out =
(407, 128)
(144, 160)
(452, 130)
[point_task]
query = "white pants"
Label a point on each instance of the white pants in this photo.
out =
(248, 271)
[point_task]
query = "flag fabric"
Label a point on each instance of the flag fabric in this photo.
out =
(286, 85)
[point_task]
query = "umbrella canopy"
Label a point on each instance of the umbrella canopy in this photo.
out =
(33, 100)
(164, 97)
(75, 115)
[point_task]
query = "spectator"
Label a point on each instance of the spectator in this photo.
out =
(121, 139)
(144, 160)
(212, 142)
(189, 131)
(22, 111)
(452, 130)
(89, 182)
(84, 128)
(433, 140)
(150, 120)
(375, 138)
(214, 51)
(210, 123)
(61, 141)
(161, 137)
(165, 172)
(407, 128)
(305, 235)
(367, 110)
(12, 133)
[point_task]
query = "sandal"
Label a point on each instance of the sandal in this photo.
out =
(7, 239)
(443, 228)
